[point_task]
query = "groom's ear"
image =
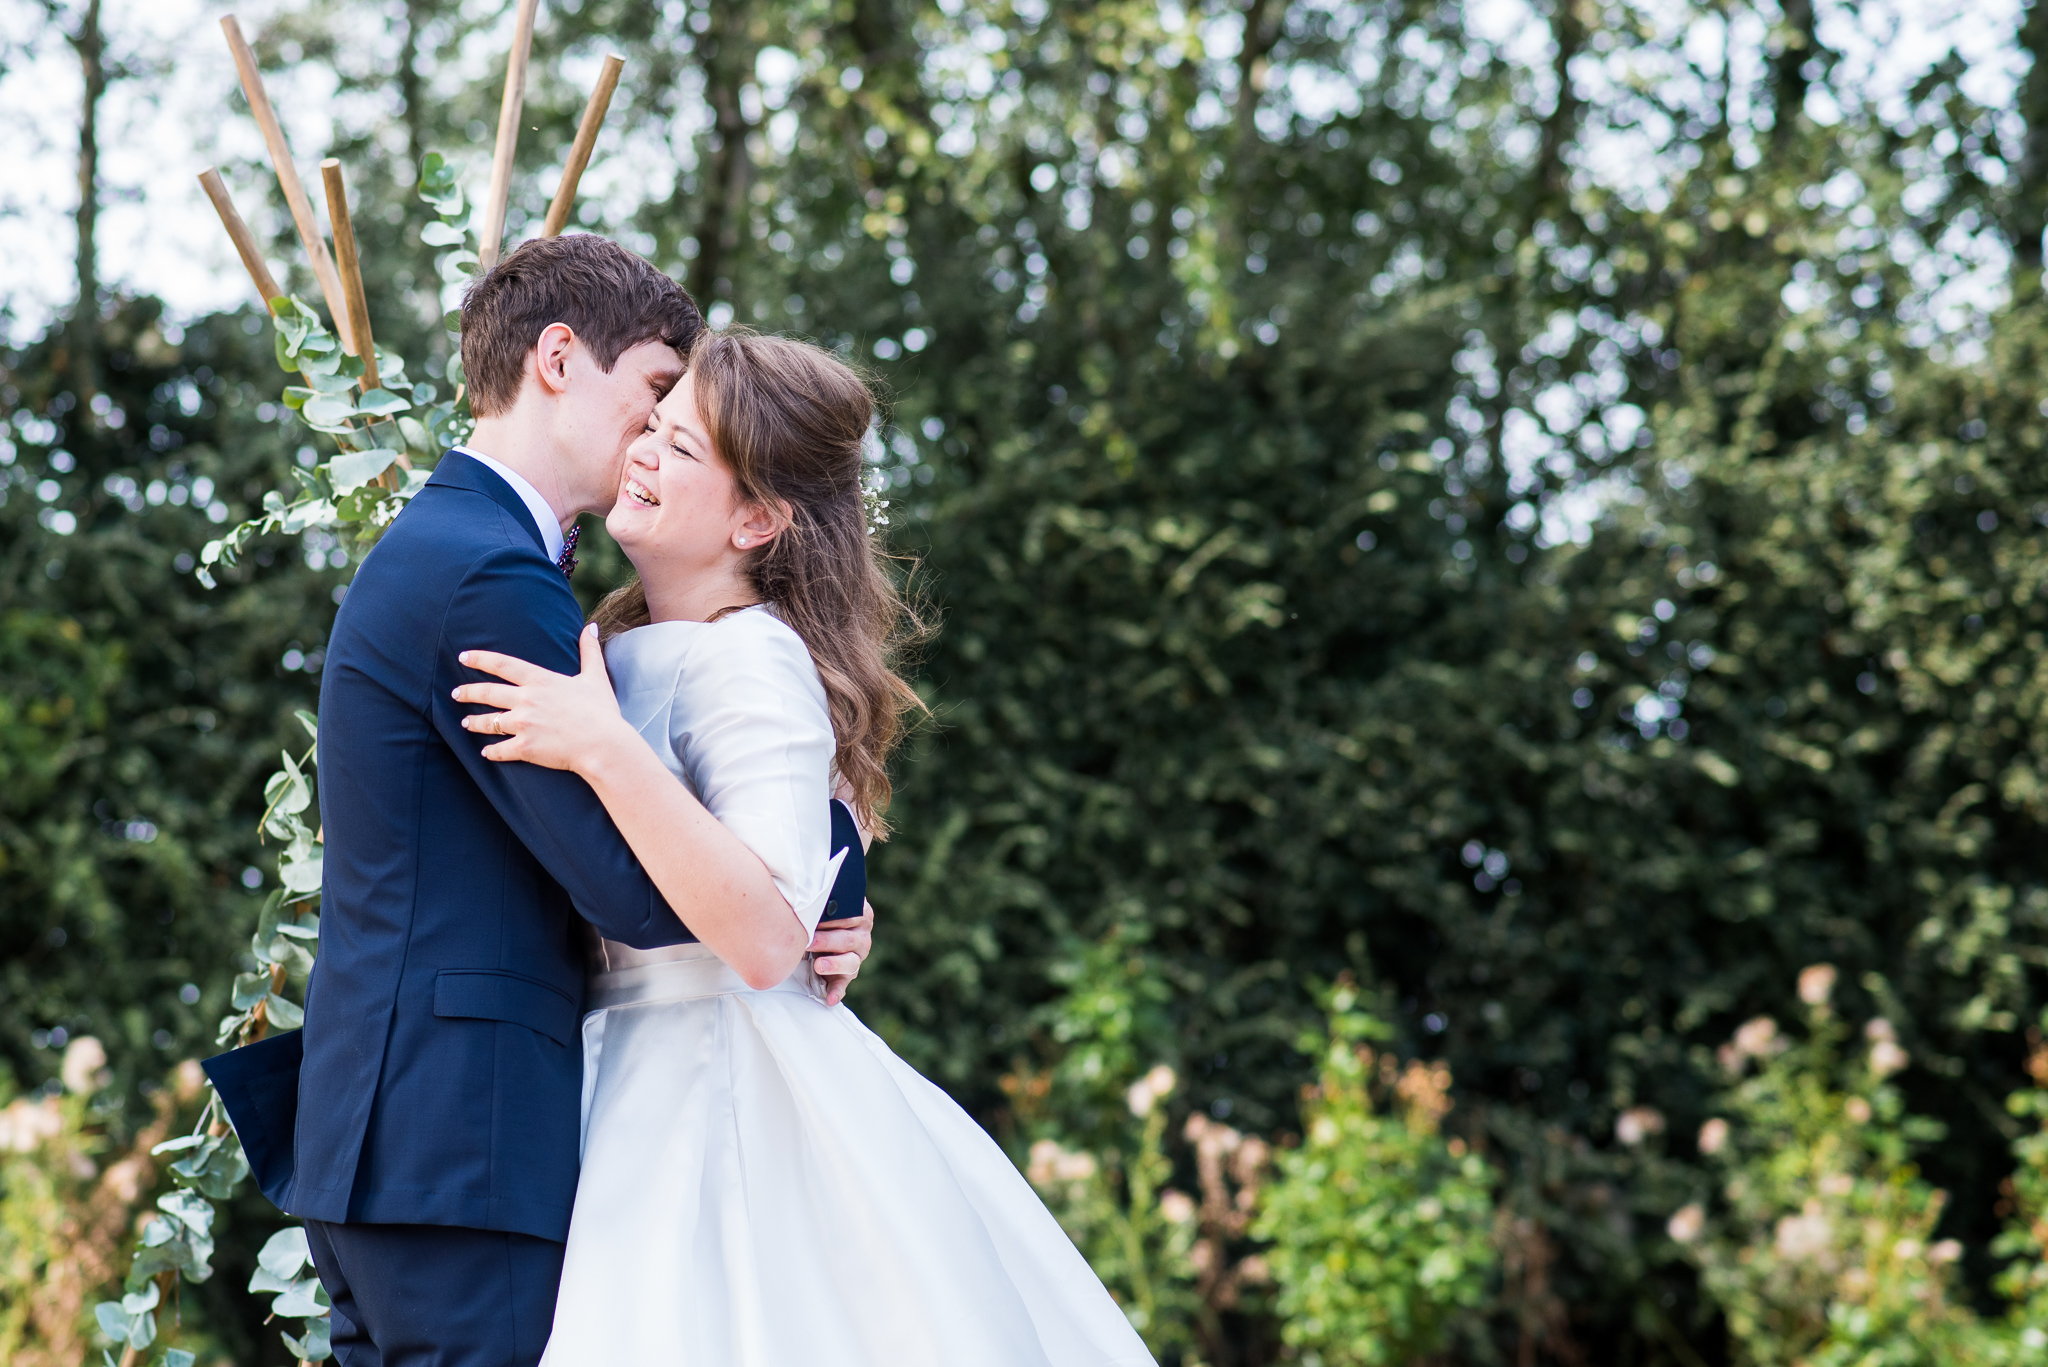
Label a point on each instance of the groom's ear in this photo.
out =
(548, 362)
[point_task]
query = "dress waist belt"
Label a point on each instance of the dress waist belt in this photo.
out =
(685, 973)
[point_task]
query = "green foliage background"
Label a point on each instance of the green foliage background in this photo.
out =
(1537, 516)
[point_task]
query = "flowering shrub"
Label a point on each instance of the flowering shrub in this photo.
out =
(2025, 1240)
(66, 1208)
(1823, 1250)
(1105, 1153)
(1380, 1225)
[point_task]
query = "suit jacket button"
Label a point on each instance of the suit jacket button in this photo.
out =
(830, 907)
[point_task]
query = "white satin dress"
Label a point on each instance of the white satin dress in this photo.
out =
(764, 1183)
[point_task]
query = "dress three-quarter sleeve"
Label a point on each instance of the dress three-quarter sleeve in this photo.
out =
(754, 736)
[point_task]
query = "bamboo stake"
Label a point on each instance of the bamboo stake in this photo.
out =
(288, 178)
(508, 136)
(351, 269)
(238, 232)
(244, 240)
(586, 138)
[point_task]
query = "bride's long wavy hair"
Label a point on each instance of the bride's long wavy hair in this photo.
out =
(789, 419)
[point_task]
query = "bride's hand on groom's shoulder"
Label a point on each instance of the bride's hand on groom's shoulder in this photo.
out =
(558, 721)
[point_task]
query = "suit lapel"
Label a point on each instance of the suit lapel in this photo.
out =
(458, 471)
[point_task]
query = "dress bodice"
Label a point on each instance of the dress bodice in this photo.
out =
(735, 709)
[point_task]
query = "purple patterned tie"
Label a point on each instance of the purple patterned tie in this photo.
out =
(566, 561)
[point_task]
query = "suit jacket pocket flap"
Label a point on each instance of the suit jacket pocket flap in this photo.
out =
(482, 994)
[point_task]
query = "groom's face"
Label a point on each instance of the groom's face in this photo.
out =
(609, 409)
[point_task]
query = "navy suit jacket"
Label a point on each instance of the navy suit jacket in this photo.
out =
(442, 1073)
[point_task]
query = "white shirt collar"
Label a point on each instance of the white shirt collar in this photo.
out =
(543, 516)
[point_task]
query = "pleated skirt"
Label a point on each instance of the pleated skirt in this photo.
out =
(765, 1184)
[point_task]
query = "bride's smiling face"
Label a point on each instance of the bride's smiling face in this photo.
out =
(676, 496)
(677, 509)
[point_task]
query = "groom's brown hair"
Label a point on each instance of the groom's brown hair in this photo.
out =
(610, 298)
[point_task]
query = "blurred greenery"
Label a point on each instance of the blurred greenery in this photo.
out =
(1539, 509)
(1382, 1230)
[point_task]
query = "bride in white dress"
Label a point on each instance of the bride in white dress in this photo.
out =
(764, 1183)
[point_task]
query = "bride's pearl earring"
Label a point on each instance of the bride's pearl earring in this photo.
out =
(741, 541)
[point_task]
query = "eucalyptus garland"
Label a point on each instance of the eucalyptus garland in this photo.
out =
(378, 436)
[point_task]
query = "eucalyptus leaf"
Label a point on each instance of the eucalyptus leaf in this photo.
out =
(285, 1015)
(352, 470)
(443, 235)
(313, 365)
(328, 410)
(266, 919)
(178, 1145)
(312, 513)
(250, 988)
(224, 1172)
(193, 1164)
(174, 1256)
(309, 721)
(298, 1300)
(316, 1346)
(457, 267)
(447, 202)
(293, 956)
(194, 1212)
(113, 1320)
(142, 1300)
(382, 403)
(293, 795)
(284, 1253)
(263, 1280)
(300, 875)
(332, 383)
(178, 1357)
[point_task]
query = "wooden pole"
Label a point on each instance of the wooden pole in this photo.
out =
(244, 240)
(351, 269)
(238, 232)
(288, 178)
(508, 137)
(586, 138)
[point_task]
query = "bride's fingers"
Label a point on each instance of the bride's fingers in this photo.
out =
(493, 723)
(837, 965)
(488, 694)
(592, 653)
(505, 666)
(854, 940)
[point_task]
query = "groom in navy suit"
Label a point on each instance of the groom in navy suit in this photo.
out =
(430, 1141)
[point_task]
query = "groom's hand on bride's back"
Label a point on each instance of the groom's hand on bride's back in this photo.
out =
(838, 948)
